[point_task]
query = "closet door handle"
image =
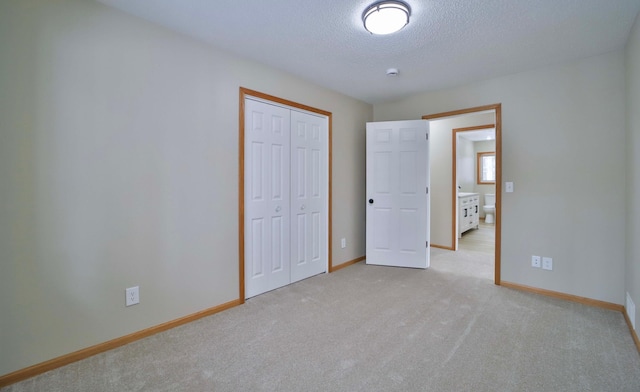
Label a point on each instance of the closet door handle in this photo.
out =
(370, 201)
(278, 209)
(302, 207)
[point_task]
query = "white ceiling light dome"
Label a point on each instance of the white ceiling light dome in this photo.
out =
(386, 17)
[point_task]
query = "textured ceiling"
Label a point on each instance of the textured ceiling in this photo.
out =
(447, 42)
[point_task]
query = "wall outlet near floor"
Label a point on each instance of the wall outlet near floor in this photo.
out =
(630, 307)
(343, 243)
(535, 261)
(547, 263)
(132, 296)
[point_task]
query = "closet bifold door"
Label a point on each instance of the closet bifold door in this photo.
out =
(308, 195)
(267, 218)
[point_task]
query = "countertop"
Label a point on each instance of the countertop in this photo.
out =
(465, 194)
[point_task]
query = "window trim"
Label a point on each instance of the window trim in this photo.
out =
(479, 167)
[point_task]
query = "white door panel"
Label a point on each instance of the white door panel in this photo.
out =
(397, 224)
(308, 195)
(267, 212)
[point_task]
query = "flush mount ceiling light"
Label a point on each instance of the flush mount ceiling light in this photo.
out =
(386, 17)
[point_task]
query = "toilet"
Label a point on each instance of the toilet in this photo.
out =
(489, 207)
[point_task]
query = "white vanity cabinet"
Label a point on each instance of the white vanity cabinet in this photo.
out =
(468, 212)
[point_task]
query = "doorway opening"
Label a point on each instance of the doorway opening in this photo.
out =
(474, 183)
(447, 195)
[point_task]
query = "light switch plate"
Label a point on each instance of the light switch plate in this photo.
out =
(508, 187)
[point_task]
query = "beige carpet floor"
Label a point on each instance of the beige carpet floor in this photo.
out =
(370, 328)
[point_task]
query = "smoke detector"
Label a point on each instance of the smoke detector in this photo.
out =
(392, 72)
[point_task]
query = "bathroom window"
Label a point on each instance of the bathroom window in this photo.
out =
(486, 167)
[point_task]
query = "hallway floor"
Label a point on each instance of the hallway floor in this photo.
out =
(479, 240)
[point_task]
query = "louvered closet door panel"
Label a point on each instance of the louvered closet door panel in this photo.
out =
(309, 206)
(267, 197)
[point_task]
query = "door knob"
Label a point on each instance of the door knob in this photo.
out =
(278, 209)
(370, 201)
(302, 207)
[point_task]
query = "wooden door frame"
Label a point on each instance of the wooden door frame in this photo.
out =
(245, 93)
(497, 108)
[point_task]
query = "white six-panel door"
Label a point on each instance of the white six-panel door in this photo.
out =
(267, 213)
(397, 227)
(286, 193)
(308, 204)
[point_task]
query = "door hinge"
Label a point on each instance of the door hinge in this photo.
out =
(427, 244)
(427, 135)
(427, 190)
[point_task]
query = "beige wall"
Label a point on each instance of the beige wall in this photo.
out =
(632, 267)
(465, 165)
(563, 138)
(119, 167)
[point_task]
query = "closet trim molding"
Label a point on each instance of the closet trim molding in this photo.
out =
(244, 93)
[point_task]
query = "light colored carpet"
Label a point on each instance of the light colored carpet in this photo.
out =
(370, 328)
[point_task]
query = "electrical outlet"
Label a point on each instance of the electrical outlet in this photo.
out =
(132, 296)
(535, 261)
(343, 243)
(631, 310)
(547, 263)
